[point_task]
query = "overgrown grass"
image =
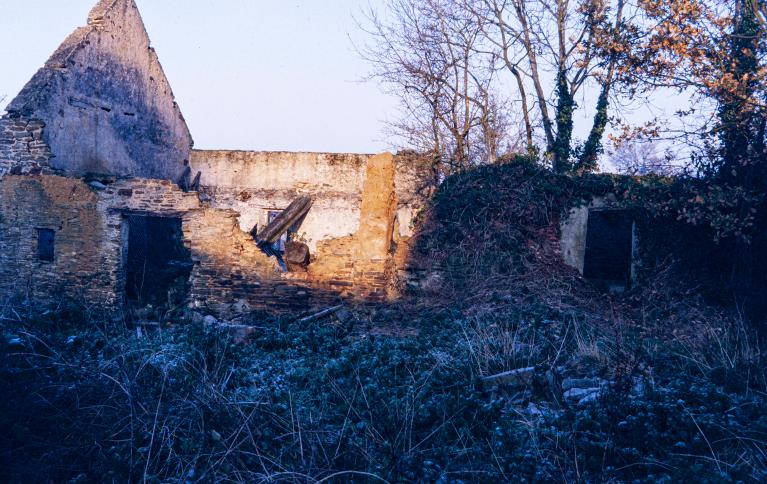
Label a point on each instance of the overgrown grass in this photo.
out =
(322, 403)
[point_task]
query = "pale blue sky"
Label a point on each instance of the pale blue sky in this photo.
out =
(252, 74)
(248, 74)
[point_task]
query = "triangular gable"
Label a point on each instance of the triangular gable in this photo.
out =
(106, 103)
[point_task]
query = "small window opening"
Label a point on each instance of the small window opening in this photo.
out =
(609, 247)
(46, 242)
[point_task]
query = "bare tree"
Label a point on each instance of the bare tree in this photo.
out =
(424, 52)
(552, 48)
(641, 157)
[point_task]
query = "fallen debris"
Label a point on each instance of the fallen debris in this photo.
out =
(195, 187)
(297, 256)
(183, 181)
(322, 314)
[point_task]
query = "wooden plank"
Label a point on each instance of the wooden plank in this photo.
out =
(295, 211)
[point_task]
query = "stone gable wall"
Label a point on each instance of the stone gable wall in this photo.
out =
(106, 103)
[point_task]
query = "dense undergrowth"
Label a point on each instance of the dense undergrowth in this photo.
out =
(301, 404)
(354, 399)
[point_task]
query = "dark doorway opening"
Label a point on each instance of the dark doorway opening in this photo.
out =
(609, 247)
(158, 264)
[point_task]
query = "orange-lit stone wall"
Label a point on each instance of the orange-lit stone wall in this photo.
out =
(231, 275)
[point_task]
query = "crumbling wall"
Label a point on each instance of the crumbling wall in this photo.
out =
(102, 105)
(22, 149)
(364, 208)
(105, 102)
(231, 275)
(253, 183)
(360, 262)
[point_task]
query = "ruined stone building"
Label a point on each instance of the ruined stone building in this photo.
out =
(99, 201)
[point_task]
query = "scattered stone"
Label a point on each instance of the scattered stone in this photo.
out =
(518, 377)
(533, 410)
(344, 316)
(296, 256)
(641, 386)
(589, 399)
(240, 307)
(571, 383)
(210, 320)
(551, 380)
(576, 395)
(240, 333)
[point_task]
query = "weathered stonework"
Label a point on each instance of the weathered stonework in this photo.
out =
(22, 149)
(231, 274)
(81, 269)
(105, 101)
(93, 142)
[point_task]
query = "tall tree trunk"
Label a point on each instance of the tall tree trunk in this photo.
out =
(525, 109)
(565, 110)
(548, 129)
(593, 148)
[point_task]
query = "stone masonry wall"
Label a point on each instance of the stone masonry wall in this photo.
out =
(81, 269)
(106, 103)
(230, 276)
(364, 208)
(22, 149)
(252, 183)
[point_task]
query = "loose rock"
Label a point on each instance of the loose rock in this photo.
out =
(519, 377)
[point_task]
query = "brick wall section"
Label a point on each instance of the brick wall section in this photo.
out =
(22, 149)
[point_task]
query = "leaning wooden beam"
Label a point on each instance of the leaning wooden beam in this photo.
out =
(295, 211)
